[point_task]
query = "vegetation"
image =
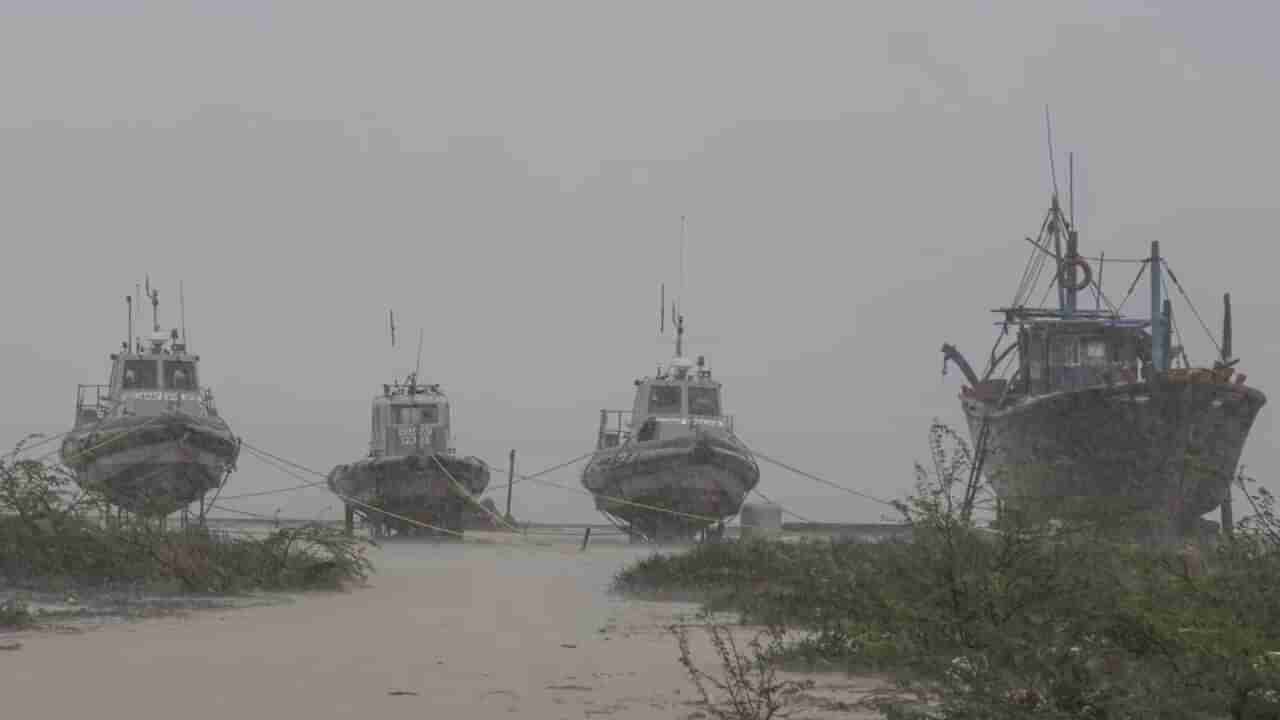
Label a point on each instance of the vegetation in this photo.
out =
(52, 531)
(750, 687)
(1063, 621)
(15, 613)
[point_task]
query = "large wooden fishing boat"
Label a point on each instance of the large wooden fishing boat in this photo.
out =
(1103, 413)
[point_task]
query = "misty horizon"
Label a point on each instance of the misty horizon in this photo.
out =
(858, 184)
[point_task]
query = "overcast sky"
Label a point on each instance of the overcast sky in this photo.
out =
(858, 178)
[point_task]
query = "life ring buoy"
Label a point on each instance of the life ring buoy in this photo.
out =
(1064, 275)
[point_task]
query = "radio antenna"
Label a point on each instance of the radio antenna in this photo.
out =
(154, 294)
(418, 366)
(680, 294)
(662, 310)
(182, 312)
(1053, 172)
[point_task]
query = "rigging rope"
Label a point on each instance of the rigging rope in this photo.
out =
(784, 509)
(1192, 305)
(1133, 285)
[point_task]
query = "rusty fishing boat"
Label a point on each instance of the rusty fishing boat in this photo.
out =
(1088, 410)
(151, 438)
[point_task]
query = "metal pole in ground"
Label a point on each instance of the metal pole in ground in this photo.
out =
(586, 537)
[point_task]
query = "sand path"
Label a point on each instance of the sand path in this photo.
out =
(476, 631)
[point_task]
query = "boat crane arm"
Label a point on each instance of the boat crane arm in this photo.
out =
(997, 359)
(949, 352)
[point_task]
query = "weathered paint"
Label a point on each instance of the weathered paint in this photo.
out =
(151, 449)
(403, 472)
(707, 475)
(1168, 447)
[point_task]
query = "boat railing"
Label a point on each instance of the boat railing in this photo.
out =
(726, 419)
(206, 399)
(92, 402)
(615, 428)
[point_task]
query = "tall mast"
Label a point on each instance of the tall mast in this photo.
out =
(1159, 361)
(1055, 229)
(1073, 236)
(1072, 252)
(678, 310)
(134, 342)
(1226, 328)
(413, 391)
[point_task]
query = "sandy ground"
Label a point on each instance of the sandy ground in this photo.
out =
(480, 631)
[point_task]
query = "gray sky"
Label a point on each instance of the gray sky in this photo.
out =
(858, 179)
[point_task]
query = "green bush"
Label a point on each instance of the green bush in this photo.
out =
(50, 532)
(14, 613)
(1065, 620)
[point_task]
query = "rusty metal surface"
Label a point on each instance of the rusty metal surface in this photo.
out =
(413, 485)
(1171, 447)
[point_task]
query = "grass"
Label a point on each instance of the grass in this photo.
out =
(50, 537)
(1065, 621)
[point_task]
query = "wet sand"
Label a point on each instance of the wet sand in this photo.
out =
(477, 630)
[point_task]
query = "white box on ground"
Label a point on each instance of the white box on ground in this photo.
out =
(761, 520)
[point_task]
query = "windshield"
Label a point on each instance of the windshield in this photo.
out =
(140, 375)
(180, 375)
(704, 401)
(410, 414)
(664, 399)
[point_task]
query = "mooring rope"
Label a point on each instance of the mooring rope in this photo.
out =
(117, 435)
(461, 490)
(823, 481)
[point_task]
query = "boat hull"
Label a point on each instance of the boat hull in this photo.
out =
(152, 465)
(673, 488)
(432, 489)
(1167, 450)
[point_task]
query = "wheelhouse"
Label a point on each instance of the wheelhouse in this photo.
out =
(409, 418)
(1064, 355)
(666, 405)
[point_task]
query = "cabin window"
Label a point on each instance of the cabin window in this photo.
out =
(140, 375)
(664, 399)
(1065, 352)
(704, 401)
(411, 414)
(1095, 352)
(180, 375)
